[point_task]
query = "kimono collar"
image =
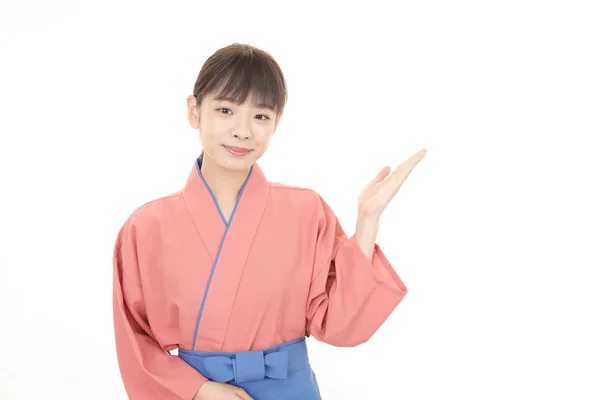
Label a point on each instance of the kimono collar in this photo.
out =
(208, 218)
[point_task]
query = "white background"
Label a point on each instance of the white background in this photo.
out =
(496, 232)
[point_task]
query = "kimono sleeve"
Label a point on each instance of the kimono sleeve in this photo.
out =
(350, 296)
(148, 371)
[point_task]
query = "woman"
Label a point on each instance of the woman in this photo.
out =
(235, 271)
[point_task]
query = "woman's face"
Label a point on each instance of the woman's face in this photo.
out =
(233, 136)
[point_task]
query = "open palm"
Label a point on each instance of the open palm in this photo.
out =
(380, 191)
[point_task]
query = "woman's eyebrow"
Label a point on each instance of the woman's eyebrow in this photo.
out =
(224, 98)
(257, 104)
(264, 106)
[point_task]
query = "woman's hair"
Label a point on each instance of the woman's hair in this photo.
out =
(239, 70)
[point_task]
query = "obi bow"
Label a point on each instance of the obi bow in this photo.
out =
(247, 366)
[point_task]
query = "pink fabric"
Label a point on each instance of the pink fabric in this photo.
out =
(286, 270)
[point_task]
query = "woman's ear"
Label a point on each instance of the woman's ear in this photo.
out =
(193, 112)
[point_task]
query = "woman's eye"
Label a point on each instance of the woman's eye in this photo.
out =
(223, 110)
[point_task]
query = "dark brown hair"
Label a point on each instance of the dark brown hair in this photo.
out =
(240, 70)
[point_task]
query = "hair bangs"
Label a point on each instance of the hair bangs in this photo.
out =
(241, 72)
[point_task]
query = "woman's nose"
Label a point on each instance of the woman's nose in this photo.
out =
(242, 129)
(241, 135)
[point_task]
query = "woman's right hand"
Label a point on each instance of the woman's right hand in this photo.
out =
(221, 391)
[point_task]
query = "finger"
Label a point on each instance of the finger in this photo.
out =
(243, 395)
(381, 175)
(389, 186)
(411, 162)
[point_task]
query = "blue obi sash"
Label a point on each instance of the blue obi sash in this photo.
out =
(282, 372)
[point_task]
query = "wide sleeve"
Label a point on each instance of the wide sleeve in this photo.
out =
(147, 369)
(350, 296)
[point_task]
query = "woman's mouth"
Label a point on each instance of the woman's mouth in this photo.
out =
(236, 151)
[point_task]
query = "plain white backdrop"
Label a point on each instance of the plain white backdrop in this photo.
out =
(496, 233)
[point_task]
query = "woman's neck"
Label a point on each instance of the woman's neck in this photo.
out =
(224, 184)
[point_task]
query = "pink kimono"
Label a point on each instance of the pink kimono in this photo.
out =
(280, 270)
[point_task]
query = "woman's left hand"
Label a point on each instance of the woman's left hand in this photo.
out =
(378, 193)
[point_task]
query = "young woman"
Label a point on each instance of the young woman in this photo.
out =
(236, 271)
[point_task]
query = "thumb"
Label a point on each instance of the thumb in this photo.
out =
(243, 395)
(382, 174)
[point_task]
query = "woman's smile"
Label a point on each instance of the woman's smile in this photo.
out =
(237, 151)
